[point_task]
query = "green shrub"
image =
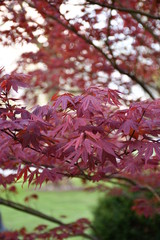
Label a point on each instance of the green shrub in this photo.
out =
(114, 220)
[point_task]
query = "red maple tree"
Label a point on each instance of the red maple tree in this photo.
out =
(94, 135)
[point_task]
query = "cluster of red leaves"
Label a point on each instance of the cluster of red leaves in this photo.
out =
(146, 207)
(41, 232)
(87, 136)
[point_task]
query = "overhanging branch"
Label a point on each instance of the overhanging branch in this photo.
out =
(114, 65)
(136, 184)
(123, 9)
(71, 28)
(36, 213)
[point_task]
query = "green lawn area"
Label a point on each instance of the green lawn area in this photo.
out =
(65, 205)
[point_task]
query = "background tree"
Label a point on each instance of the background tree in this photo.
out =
(82, 43)
(92, 136)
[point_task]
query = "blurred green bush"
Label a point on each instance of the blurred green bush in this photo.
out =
(114, 220)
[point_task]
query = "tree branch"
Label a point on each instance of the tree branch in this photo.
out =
(31, 211)
(114, 65)
(123, 9)
(147, 28)
(134, 183)
(71, 28)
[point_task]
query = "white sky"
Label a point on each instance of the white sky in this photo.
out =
(9, 55)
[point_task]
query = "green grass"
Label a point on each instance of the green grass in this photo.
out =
(67, 206)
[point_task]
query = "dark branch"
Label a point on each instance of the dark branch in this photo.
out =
(114, 65)
(147, 28)
(31, 211)
(122, 9)
(135, 183)
(70, 27)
